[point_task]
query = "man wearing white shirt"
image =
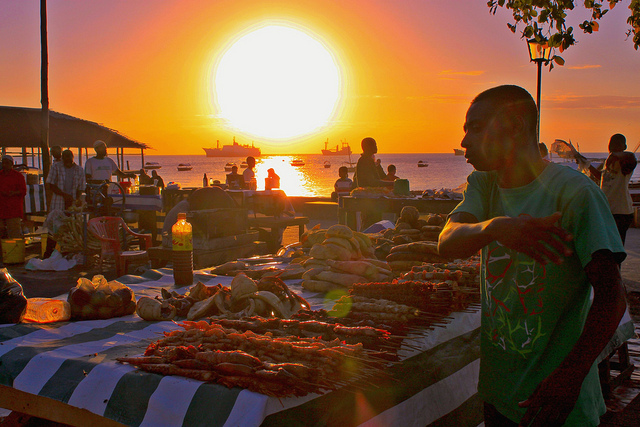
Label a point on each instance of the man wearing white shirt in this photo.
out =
(249, 175)
(100, 167)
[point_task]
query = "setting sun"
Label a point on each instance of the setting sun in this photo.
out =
(277, 82)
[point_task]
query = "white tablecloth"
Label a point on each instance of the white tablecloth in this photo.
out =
(74, 362)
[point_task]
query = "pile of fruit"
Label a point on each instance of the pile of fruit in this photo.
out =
(99, 299)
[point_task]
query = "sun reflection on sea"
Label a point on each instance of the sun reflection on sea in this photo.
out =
(292, 178)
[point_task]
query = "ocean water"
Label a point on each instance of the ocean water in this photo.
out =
(313, 179)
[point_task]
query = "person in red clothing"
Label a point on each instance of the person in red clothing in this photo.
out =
(13, 188)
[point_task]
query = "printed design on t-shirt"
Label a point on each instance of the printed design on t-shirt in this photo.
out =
(513, 299)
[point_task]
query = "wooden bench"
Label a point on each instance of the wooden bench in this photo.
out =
(324, 210)
(276, 225)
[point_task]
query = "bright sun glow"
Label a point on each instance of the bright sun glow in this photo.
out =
(277, 82)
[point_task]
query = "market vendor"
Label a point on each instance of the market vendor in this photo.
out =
(202, 198)
(548, 243)
(368, 174)
(99, 168)
(13, 188)
(66, 180)
(367, 171)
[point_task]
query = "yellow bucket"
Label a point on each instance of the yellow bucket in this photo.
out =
(13, 251)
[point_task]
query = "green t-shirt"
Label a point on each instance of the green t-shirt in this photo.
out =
(533, 314)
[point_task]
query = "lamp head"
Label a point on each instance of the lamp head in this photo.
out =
(539, 50)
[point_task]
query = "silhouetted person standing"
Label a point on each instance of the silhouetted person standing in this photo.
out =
(249, 175)
(614, 182)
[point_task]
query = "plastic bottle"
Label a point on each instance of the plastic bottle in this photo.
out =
(46, 310)
(205, 181)
(135, 186)
(182, 239)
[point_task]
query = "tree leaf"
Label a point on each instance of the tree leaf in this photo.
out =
(595, 26)
(558, 60)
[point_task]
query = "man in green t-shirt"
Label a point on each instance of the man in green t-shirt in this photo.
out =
(548, 239)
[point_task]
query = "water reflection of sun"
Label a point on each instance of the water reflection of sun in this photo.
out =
(277, 82)
(292, 178)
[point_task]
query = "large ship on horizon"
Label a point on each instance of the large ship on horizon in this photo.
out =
(234, 150)
(345, 150)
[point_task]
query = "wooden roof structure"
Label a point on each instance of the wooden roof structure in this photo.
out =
(20, 127)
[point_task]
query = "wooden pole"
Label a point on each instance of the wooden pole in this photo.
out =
(44, 89)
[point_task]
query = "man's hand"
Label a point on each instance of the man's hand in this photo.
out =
(539, 238)
(553, 400)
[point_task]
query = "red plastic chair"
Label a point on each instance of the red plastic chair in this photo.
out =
(108, 230)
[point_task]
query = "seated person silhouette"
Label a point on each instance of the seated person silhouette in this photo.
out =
(235, 181)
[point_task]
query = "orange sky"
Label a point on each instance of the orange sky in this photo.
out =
(411, 68)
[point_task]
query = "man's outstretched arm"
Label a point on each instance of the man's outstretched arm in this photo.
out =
(539, 238)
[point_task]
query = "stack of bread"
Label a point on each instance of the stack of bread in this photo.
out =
(342, 258)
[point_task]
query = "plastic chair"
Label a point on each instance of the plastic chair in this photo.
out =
(108, 230)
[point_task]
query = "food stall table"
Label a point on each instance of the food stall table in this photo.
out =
(350, 205)
(140, 202)
(74, 363)
(269, 209)
(67, 372)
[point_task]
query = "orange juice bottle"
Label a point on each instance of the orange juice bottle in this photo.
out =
(182, 239)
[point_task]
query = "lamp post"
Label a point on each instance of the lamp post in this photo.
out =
(539, 52)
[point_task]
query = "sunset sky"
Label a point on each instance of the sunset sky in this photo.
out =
(408, 70)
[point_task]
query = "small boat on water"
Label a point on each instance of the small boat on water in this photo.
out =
(458, 152)
(297, 162)
(184, 167)
(422, 164)
(228, 166)
(327, 164)
(243, 165)
(152, 165)
(351, 166)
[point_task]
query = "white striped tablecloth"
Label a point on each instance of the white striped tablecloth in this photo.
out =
(74, 362)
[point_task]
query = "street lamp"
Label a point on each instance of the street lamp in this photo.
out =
(539, 52)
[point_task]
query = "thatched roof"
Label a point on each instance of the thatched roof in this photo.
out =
(20, 127)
